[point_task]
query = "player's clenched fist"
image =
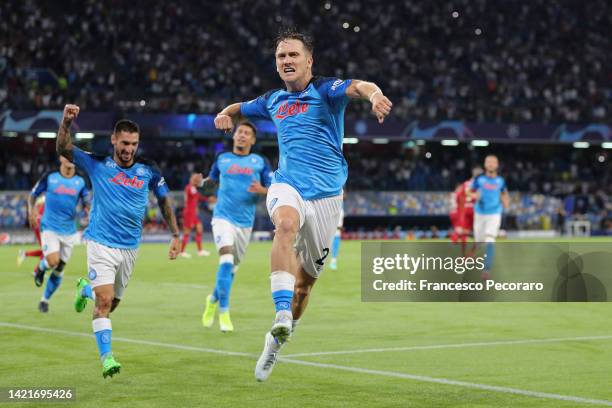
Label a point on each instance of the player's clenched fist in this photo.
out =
(381, 106)
(71, 112)
(224, 122)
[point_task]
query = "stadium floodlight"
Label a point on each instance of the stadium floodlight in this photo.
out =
(10, 134)
(450, 142)
(581, 145)
(350, 140)
(420, 142)
(46, 135)
(480, 143)
(606, 145)
(84, 135)
(380, 140)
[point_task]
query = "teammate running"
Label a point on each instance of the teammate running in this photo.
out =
(63, 189)
(491, 196)
(305, 198)
(191, 218)
(39, 209)
(121, 185)
(242, 176)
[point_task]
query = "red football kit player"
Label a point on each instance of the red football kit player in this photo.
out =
(462, 213)
(190, 216)
(37, 253)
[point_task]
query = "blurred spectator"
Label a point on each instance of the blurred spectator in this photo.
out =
(477, 60)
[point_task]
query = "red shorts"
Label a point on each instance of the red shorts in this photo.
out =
(190, 220)
(466, 223)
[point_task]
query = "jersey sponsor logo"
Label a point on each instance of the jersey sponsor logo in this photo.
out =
(236, 169)
(63, 190)
(122, 179)
(287, 109)
(490, 186)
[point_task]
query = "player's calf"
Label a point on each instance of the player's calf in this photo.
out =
(104, 301)
(103, 330)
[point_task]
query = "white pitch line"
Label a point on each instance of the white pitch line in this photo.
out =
(445, 381)
(451, 346)
(393, 374)
(125, 340)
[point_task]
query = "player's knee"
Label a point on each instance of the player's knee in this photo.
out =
(286, 228)
(53, 260)
(226, 250)
(114, 304)
(104, 303)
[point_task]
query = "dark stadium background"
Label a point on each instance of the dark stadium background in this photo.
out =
(527, 81)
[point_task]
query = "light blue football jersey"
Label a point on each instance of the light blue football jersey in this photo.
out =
(62, 195)
(235, 173)
(310, 127)
(120, 197)
(490, 194)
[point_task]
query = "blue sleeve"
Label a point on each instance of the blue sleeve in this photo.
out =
(256, 108)
(503, 186)
(474, 185)
(158, 183)
(333, 90)
(40, 186)
(266, 174)
(83, 160)
(84, 195)
(214, 171)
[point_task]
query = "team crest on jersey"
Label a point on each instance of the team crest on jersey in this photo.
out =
(140, 171)
(111, 164)
(253, 160)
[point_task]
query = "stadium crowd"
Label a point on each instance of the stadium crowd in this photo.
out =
(557, 181)
(533, 60)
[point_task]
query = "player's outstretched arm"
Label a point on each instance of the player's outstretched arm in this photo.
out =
(64, 140)
(168, 214)
(225, 119)
(381, 105)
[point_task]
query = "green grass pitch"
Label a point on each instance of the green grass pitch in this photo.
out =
(169, 359)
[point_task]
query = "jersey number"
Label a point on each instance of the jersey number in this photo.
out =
(320, 261)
